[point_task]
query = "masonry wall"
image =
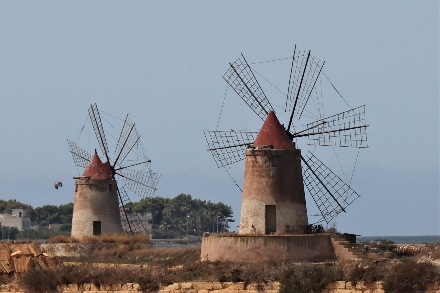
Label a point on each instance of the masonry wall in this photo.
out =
(213, 287)
(313, 248)
(95, 200)
(273, 177)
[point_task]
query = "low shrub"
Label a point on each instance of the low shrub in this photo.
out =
(308, 278)
(410, 277)
(36, 281)
(368, 275)
(314, 229)
(48, 280)
(6, 279)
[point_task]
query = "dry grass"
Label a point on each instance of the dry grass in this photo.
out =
(111, 238)
(49, 280)
(161, 266)
(125, 254)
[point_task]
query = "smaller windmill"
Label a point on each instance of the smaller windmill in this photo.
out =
(100, 205)
(273, 201)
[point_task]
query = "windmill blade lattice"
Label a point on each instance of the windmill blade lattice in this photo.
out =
(95, 118)
(139, 182)
(131, 222)
(346, 129)
(228, 147)
(329, 192)
(303, 75)
(128, 138)
(81, 157)
(242, 79)
(142, 181)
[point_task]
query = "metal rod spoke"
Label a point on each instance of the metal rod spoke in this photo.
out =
(99, 131)
(228, 147)
(242, 79)
(330, 193)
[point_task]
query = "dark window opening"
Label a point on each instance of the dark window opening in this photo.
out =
(275, 160)
(96, 228)
(271, 218)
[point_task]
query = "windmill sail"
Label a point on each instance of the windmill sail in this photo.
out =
(128, 138)
(99, 130)
(141, 183)
(241, 78)
(228, 147)
(329, 192)
(131, 222)
(304, 72)
(346, 129)
(81, 157)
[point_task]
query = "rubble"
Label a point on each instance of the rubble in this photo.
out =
(19, 257)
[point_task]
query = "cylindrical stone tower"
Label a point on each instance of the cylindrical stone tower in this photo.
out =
(96, 204)
(273, 195)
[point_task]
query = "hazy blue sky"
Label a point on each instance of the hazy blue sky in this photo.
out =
(162, 62)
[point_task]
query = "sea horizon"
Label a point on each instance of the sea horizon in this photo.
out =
(414, 239)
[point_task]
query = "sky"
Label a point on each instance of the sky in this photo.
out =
(163, 61)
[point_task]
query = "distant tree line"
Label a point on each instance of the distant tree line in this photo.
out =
(171, 217)
(183, 215)
(40, 217)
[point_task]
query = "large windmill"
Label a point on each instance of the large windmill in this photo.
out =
(98, 196)
(330, 193)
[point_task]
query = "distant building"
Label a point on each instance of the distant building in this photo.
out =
(55, 227)
(17, 218)
(145, 219)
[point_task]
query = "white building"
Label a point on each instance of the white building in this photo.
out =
(17, 218)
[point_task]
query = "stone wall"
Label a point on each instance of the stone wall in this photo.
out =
(312, 248)
(73, 249)
(213, 287)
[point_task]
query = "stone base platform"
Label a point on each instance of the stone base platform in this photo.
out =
(249, 248)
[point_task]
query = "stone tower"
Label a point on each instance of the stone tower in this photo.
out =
(96, 204)
(273, 195)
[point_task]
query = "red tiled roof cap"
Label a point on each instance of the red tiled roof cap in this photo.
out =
(97, 170)
(272, 134)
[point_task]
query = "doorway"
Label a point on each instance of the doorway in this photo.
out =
(271, 218)
(96, 228)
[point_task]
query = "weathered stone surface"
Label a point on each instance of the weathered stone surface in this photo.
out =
(202, 285)
(267, 183)
(233, 286)
(220, 291)
(336, 285)
(127, 287)
(136, 287)
(312, 248)
(342, 291)
(273, 286)
(252, 288)
(432, 287)
(175, 286)
(95, 200)
(217, 286)
(361, 285)
(186, 286)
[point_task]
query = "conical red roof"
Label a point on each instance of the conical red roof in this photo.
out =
(273, 134)
(96, 170)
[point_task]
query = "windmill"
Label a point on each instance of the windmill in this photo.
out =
(130, 166)
(346, 129)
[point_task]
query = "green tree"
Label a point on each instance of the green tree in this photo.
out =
(9, 233)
